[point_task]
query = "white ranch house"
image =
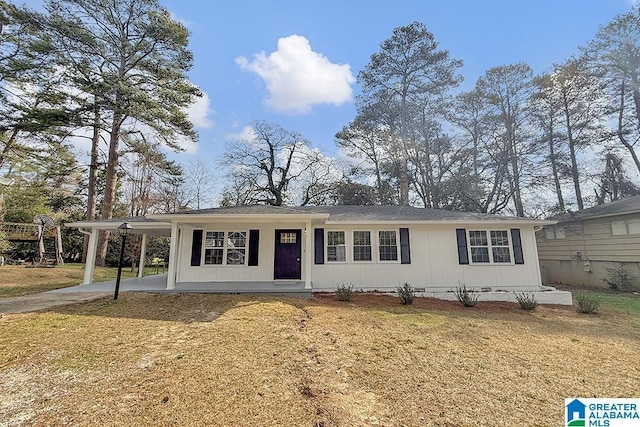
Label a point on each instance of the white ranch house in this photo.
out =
(314, 249)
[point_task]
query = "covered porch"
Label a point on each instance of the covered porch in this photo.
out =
(139, 226)
(157, 283)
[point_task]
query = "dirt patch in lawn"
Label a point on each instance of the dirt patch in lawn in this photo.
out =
(241, 360)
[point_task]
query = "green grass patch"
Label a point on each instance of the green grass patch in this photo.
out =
(628, 304)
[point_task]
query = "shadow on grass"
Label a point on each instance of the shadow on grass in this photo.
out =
(189, 308)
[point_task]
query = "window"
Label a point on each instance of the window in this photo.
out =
(214, 247)
(633, 227)
(490, 247)
(228, 248)
(553, 233)
(236, 247)
(362, 246)
(621, 228)
(479, 246)
(336, 248)
(388, 246)
(288, 237)
(500, 246)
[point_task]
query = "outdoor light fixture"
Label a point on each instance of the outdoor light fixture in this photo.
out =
(124, 230)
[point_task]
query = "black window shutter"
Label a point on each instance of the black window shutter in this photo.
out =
(196, 248)
(405, 249)
(463, 254)
(318, 235)
(517, 246)
(254, 243)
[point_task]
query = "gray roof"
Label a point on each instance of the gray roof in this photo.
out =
(401, 213)
(345, 213)
(619, 207)
(247, 210)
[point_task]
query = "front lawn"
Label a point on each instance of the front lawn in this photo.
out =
(16, 280)
(238, 360)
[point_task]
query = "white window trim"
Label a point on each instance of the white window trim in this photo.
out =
(489, 246)
(225, 248)
(372, 243)
(374, 234)
(398, 255)
(326, 247)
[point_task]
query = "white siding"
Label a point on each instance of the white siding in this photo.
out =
(434, 265)
(234, 273)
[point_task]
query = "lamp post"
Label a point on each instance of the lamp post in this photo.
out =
(124, 230)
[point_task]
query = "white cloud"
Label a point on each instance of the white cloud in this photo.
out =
(247, 135)
(199, 111)
(297, 77)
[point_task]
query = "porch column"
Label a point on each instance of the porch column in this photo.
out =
(173, 255)
(308, 254)
(90, 263)
(143, 255)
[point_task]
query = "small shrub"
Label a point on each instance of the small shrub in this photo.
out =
(406, 293)
(620, 279)
(466, 297)
(527, 301)
(587, 303)
(344, 292)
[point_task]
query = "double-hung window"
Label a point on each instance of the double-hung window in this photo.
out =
(387, 246)
(236, 247)
(500, 246)
(489, 246)
(362, 246)
(225, 247)
(336, 246)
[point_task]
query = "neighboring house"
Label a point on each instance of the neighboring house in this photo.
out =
(579, 248)
(305, 249)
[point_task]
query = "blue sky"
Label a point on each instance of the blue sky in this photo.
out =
(295, 62)
(250, 68)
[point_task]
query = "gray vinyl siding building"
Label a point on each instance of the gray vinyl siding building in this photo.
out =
(579, 248)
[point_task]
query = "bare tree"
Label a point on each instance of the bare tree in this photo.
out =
(507, 89)
(200, 183)
(614, 56)
(275, 167)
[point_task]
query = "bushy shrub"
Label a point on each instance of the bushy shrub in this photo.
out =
(527, 301)
(466, 297)
(620, 279)
(344, 292)
(406, 293)
(587, 303)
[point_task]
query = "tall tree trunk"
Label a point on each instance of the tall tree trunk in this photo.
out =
(111, 184)
(515, 171)
(8, 146)
(572, 152)
(630, 148)
(554, 169)
(93, 176)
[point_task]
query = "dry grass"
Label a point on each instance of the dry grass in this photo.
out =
(18, 280)
(220, 360)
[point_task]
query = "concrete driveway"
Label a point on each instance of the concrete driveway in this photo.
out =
(79, 293)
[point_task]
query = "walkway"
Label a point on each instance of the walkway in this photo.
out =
(80, 293)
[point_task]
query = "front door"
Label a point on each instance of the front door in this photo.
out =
(288, 252)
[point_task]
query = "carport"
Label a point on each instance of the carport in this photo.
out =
(141, 225)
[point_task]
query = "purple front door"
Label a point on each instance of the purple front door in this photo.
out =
(288, 252)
